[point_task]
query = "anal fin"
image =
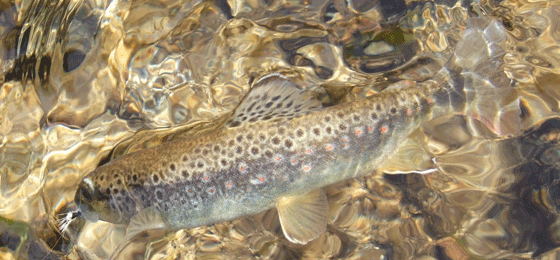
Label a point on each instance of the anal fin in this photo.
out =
(410, 157)
(303, 217)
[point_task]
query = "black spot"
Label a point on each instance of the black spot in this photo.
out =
(289, 104)
(155, 178)
(249, 137)
(239, 138)
(216, 148)
(172, 167)
(197, 150)
(378, 107)
(374, 116)
(268, 153)
(255, 150)
(184, 173)
(393, 110)
(267, 117)
(115, 191)
(276, 140)
(250, 107)
(128, 177)
(275, 98)
(328, 130)
(134, 178)
(159, 194)
(299, 133)
(235, 124)
(238, 150)
(288, 143)
(205, 152)
(342, 127)
(119, 182)
(224, 162)
(269, 104)
(282, 130)
(101, 177)
(316, 131)
(72, 60)
(340, 115)
(185, 158)
(200, 164)
(108, 191)
(231, 143)
(327, 119)
(262, 137)
(356, 118)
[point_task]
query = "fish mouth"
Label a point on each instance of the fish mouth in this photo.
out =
(87, 210)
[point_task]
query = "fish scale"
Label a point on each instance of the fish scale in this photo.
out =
(279, 143)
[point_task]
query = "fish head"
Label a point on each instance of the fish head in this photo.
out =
(97, 203)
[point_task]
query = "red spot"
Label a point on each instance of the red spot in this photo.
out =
(409, 112)
(306, 168)
(345, 146)
(285, 178)
(248, 189)
(344, 139)
(308, 151)
(278, 158)
(329, 147)
(206, 178)
(171, 182)
(228, 184)
(211, 190)
(431, 100)
(370, 129)
(294, 161)
(383, 129)
(358, 132)
(190, 190)
(261, 178)
(242, 168)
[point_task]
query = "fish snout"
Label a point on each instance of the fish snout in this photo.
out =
(85, 197)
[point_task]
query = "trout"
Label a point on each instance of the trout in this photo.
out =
(281, 146)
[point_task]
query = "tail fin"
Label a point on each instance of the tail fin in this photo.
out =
(489, 92)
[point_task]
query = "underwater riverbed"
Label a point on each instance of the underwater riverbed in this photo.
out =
(83, 82)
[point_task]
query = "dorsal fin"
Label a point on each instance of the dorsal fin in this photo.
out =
(273, 97)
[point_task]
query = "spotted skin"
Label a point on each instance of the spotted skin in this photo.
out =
(243, 169)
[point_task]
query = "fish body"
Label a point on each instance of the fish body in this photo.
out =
(276, 147)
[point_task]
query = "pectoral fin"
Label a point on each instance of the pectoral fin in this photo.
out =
(147, 219)
(303, 217)
(410, 157)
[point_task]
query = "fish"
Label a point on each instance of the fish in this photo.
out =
(281, 146)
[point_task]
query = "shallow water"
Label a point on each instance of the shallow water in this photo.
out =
(86, 81)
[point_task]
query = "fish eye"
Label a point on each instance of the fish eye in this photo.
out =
(87, 190)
